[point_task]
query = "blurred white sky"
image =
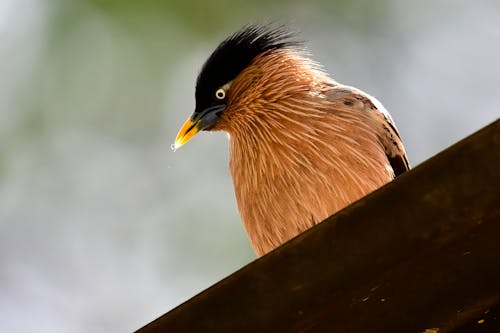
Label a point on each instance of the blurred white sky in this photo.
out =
(102, 227)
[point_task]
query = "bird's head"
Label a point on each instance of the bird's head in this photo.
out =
(227, 81)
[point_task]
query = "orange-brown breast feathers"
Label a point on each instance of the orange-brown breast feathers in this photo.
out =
(298, 151)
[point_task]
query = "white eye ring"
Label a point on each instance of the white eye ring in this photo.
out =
(220, 93)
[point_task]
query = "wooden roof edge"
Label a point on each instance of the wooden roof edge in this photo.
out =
(422, 220)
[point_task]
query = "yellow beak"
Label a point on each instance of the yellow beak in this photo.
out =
(187, 131)
(199, 121)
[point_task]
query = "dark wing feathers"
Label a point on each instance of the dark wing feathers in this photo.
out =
(389, 137)
(393, 146)
(349, 97)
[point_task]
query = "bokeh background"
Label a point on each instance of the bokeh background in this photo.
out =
(102, 227)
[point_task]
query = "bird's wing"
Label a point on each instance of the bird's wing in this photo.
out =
(349, 97)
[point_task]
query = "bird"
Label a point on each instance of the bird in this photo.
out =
(302, 146)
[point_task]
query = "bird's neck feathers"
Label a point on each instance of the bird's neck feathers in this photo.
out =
(276, 114)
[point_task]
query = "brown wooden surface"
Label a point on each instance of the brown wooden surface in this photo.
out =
(422, 252)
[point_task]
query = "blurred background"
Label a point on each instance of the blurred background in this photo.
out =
(102, 227)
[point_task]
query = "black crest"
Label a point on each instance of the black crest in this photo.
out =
(234, 54)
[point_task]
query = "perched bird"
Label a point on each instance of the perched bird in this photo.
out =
(302, 146)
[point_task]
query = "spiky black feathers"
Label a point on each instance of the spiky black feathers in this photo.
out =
(234, 54)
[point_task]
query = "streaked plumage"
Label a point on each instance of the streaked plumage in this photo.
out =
(302, 146)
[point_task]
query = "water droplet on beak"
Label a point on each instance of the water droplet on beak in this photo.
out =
(173, 147)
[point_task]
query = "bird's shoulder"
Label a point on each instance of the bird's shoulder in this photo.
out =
(349, 98)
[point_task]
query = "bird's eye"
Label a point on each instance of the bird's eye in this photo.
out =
(220, 93)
